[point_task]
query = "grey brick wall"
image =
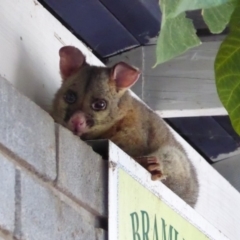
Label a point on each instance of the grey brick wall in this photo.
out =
(52, 185)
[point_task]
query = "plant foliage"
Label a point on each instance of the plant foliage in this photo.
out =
(227, 70)
(178, 34)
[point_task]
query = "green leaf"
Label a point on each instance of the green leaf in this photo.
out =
(218, 17)
(227, 71)
(177, 35)
(173, 8)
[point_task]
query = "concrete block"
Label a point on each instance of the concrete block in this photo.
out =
(7, 194)
(45, 217)
(27, 130)
(82, 172)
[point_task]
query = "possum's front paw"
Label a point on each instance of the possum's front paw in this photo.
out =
(151, 163)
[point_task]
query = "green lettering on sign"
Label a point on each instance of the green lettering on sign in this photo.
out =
(155, 231)
(145, 225)
(172, 232)
(135, 226)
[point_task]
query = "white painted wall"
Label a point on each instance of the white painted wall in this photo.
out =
(30, 38)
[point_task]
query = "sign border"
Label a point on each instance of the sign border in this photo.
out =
(120, 160)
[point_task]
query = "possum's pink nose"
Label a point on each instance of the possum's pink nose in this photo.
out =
(77, 124)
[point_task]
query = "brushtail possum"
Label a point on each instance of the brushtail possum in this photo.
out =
(95, 103)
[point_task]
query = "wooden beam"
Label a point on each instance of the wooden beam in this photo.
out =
(184, 86)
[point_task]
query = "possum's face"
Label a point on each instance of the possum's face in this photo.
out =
(90, 100)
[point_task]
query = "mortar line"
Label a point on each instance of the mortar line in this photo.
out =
(18, 206)
(63, 195)
(57, 151)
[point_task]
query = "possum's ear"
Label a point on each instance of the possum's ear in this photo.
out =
(71, 60)
(124, 75)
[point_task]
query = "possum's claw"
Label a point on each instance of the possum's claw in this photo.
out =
(151, 163)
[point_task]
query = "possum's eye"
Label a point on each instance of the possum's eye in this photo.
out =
(70, 97)
(99, 104)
